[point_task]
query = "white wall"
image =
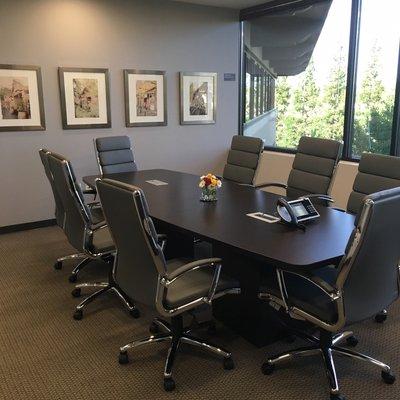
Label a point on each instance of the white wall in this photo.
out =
(275, 167)
(117, 34)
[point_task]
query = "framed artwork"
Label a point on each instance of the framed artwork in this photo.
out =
(145, 98)
(21, 98)
(198, 97)
(85, 98)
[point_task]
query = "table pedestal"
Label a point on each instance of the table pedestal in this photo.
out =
(245, 314)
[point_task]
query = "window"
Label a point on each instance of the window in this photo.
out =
(332, 73)
(376, 77)
(258, 82)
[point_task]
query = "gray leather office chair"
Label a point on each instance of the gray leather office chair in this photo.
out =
(376, 172)
(114, 154)
(93, 240)
(171, 288)
(313, 168)
(365, 282)
(243, 159)
(59, 208)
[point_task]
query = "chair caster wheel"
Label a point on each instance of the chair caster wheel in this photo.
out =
(267, 368)
(337, 397)
(73, 278)
(135, 313)
(352, 341)
(58, 265)
(78, 314)
(169, 384)
(380, 318)
(123, 358)
(388, 377)
(76, 292)
(228, 363)
(154, 329)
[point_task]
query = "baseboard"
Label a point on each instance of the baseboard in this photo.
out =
(27, 226)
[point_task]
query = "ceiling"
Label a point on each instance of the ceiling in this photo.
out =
(236, 4)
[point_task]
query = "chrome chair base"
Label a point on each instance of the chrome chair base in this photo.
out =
(74, 273)
(104, 287)
(86, 261)
(327, 346)
(163, 331)
(59, 262)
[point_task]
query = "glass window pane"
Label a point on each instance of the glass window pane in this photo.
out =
(312, 102)
(308, 54)
(247, 97)
(376, 76)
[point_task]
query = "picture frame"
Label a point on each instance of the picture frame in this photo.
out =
(85, 98)
(145, 97)
(21, 98)
(198, 98)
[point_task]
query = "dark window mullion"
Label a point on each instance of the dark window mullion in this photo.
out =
(257, 90)
(262, 93)
(348, 128)
(395, 145)
(265, 96)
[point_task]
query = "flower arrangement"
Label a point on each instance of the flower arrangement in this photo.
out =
(209, 184)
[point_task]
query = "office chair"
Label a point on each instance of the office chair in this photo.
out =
(59, 208)
(93, 240)
(172, 288)
(376, 172)
(114, 155)
(243, 159)
(313, 168)
(365, 282)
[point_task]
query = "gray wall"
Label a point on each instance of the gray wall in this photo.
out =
(114, 34)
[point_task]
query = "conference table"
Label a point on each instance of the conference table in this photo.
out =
(251, 249)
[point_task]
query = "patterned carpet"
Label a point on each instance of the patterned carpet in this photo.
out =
(45, 354)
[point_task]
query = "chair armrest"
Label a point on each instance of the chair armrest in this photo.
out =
(324, 197)
(268, 184)
(215, 263)
(162, 240)
(89, 191)
(100, 225)
(206, 262)
(93, 204)
(324, 286)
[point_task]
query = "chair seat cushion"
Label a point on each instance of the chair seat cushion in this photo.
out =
(193, 285)
(304, 295)
(102, 241)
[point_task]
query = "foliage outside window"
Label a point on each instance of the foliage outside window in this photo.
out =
(313, 103)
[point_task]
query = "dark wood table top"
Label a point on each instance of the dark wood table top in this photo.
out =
(225, 221)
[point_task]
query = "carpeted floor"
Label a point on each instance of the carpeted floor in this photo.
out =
(45, 354)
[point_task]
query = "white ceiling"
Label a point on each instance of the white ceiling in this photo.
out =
(238, 4)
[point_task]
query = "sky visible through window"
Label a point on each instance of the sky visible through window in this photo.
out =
(379, 26)
(312, 103)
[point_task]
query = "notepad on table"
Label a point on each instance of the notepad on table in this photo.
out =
(156, 182)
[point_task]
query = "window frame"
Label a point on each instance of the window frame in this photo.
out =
(262, 82)
(352, 66)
